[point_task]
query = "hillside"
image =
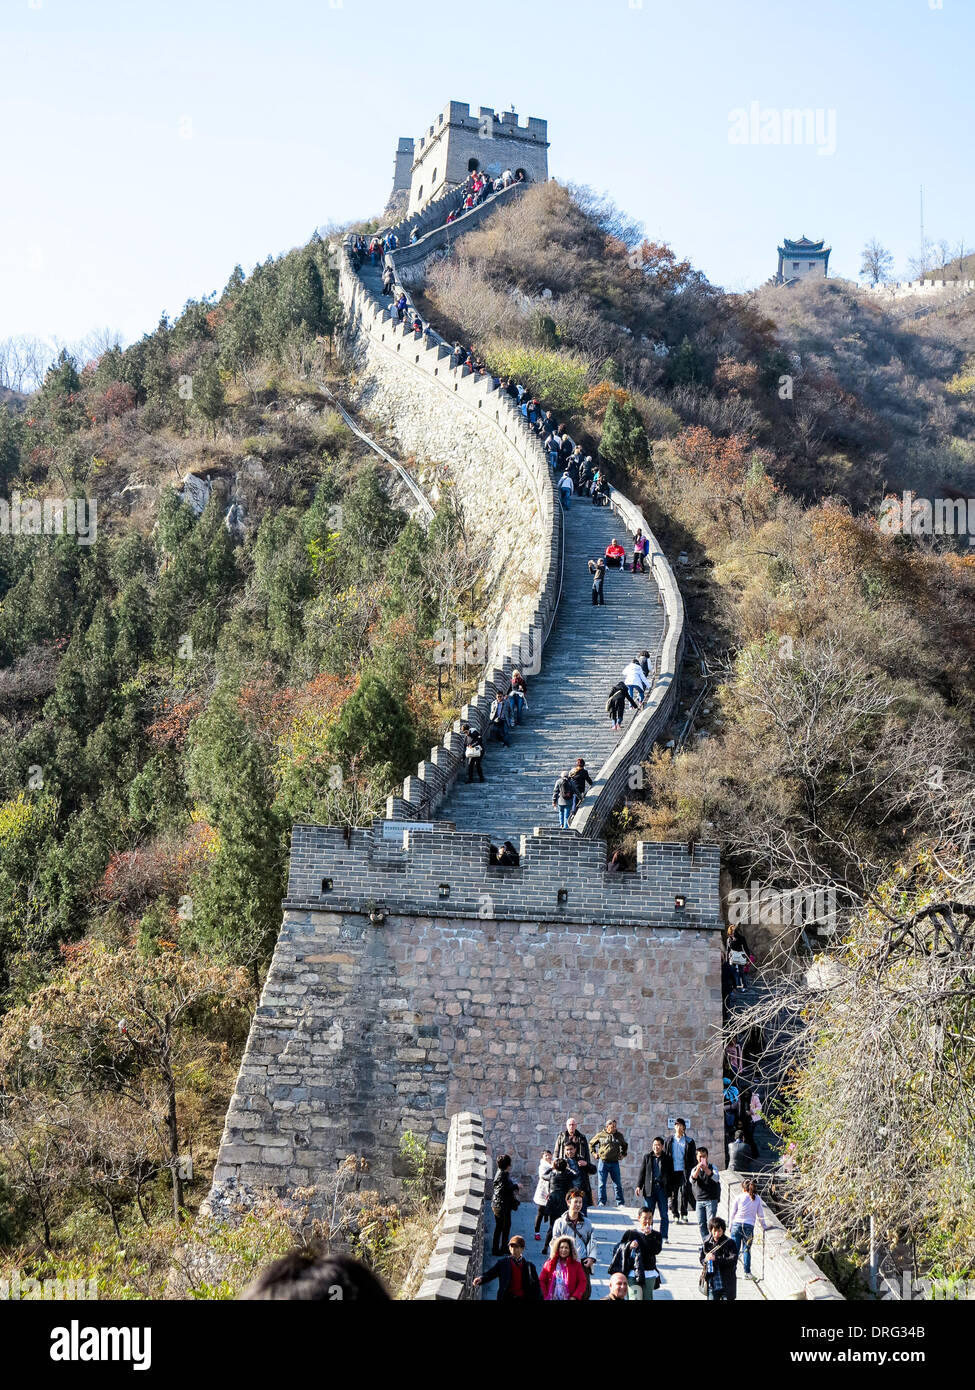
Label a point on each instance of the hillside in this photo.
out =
(249, 644)
(246, 642)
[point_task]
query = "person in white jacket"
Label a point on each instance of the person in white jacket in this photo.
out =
(579, 1229)
(635, 681)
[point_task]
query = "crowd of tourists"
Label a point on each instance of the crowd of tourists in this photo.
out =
(675, 1177)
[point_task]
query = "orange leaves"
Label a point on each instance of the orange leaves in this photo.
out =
(173, 719)
(658, 264)
(598, 400)
(725, 460)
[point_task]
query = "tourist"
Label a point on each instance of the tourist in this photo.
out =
(517, 1277)
(306, 1275)
(608, 1147)
(473, 752)
(680, 1150)
(738, 960)
(563, 1277)
(637, 1251)
(498, 720)
(739, 1153)
(597, 568)
(581, 781)
(639, 553)
(618, 1289)
(706, 1187)
(572, 1134)
(560, 1183)
(616, 704)
(719, 1258)
(579, 1171)
(653, 1183)
(401, 308)
(566, 490)
(579, 1229)
(414, 236)
(646, 666)
(518, 696)
(389, 279)
(635, 681)
(543, 1190)
(504, 1201)
(563, 795)
(615, 555)
(551, 447)
(746, 1209)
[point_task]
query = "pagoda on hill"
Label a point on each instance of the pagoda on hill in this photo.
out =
(802, 260)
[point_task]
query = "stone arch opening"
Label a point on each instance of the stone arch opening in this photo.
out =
(521, 174)
(473, 165)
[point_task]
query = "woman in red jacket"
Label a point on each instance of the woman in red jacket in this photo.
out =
(563, 1277)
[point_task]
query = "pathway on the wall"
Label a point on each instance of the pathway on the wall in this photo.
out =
(583, 658)
(678, 1262)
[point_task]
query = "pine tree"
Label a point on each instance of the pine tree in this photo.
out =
(624, 440)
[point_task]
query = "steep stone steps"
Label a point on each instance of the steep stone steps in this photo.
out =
(566, 718)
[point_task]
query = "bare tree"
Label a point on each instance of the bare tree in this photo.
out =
(877, 263)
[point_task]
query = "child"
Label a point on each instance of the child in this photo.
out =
(542, 1191)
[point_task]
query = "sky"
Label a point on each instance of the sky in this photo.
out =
(151, 145)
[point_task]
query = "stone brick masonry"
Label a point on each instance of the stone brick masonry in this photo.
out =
(367, 1028)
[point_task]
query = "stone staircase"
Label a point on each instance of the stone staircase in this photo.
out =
(566, 718)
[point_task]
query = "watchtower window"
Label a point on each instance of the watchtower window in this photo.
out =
(419, 192)
(433, 181)
(521, 174)
(473, 165)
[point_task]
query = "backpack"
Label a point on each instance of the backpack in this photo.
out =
(566, 789)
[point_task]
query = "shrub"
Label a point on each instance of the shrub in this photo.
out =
(558, 379)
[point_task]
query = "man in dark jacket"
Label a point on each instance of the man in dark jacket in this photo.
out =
(681, 1152)
(572, 1134)
(653, 1184)
(616, 704)
(581, 781)
(517, 1277)
(719, 1261)
(706, 1187)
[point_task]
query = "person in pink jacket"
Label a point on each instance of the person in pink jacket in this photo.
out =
(563, 1277)
(745, 1211)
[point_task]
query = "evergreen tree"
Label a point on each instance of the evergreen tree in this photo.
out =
(624, 440)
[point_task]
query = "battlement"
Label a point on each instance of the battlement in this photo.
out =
(406, 870)
(486, 124)
(901, 288)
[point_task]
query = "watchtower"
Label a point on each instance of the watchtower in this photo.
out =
(802, 260)
(459, 142)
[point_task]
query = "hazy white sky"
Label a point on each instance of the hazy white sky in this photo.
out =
(152, 144)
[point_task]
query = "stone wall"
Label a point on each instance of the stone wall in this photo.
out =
(497, 141)
(909, 289)
(458, 1252)
(496, 469)
(389, 1006)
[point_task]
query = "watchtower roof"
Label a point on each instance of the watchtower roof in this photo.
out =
(804, 247)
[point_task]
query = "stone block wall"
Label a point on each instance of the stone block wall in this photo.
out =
(384, 1012)
(495, 467)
